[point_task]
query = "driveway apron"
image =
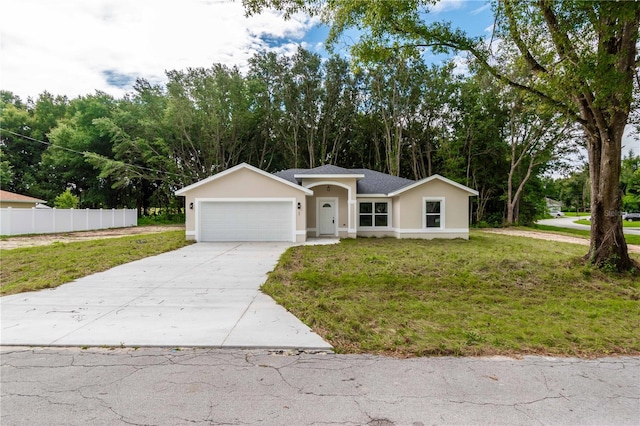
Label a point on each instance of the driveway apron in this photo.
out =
(204, 295)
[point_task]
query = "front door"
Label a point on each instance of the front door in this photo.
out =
(327, 217)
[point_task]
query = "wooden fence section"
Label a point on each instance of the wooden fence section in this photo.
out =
(15, 221)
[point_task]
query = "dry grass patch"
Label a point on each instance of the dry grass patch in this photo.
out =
(492, 294)
(35, 268)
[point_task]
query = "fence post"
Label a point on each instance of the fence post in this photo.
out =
(101, 214)
(53, 219)
(87, 219)
(33, 220)
(71, 219)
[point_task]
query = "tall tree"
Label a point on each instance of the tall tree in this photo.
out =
(536, 137)
(63, 163)
(579, 57)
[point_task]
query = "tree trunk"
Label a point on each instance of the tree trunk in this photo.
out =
(608, 247)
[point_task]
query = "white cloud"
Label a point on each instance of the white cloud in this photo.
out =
(73, 47)
(480, 9)
(447, 6)
(461, 65)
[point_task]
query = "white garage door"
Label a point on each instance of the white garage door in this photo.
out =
(246, 221)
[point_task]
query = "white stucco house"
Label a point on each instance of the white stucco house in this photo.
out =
(245, 203)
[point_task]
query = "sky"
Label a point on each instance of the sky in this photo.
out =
(75, 47)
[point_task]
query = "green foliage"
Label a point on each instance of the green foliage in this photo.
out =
(66, 200)
(6, 171)
(630, 182)
(162, 219)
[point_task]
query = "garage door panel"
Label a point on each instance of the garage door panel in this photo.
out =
(246, 221)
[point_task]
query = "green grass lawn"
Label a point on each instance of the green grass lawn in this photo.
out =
(583, 233)
(625, 223)
(493, 294)
(35, 268)
(574, 214)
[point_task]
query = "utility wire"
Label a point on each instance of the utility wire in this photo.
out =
(89, 153)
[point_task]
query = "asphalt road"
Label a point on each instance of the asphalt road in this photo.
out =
(155, 386)
(567, 222)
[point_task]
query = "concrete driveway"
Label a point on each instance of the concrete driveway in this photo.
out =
(203, 295)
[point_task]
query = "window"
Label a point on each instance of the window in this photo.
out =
(374, 214)
(433, 213)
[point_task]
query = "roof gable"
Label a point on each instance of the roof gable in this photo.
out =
(431, 178)
(183, 191)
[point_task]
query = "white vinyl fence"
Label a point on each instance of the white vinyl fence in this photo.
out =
(46, 221)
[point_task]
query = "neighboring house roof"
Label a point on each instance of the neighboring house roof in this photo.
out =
(6, 196)
(184, 190)
(369, 181)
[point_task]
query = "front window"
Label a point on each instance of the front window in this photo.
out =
(433, 214)
(374, 214)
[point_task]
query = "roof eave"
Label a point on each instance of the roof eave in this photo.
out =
(328, 176)
(182, 192)
(429, 179)
(359, 195)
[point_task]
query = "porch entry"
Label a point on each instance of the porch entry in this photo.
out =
(327, 216)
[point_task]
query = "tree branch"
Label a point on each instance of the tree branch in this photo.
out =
(536, 67)
(504, 79)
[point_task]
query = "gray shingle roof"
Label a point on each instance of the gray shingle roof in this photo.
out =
(379, 183)
(372, 183)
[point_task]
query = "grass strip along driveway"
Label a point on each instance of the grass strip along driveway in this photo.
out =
(35, 268)
(493, 294)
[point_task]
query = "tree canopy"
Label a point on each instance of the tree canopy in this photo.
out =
(577, 58)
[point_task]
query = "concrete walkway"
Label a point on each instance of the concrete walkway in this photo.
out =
(204, 295)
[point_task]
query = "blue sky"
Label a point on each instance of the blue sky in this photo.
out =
(74, 47)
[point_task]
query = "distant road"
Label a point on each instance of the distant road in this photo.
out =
(567, 222)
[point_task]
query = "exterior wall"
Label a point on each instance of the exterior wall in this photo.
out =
(397, 214)
(432, 235)
(344, 189)
(245, 183)
(377, 234)
(320, 192)
(410, 209)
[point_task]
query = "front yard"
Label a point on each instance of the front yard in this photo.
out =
(493, 294)
(35, 268)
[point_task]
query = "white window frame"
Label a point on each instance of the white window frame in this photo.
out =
(442, 212)
(373, 202)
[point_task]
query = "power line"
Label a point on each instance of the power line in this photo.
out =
(89, 153)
